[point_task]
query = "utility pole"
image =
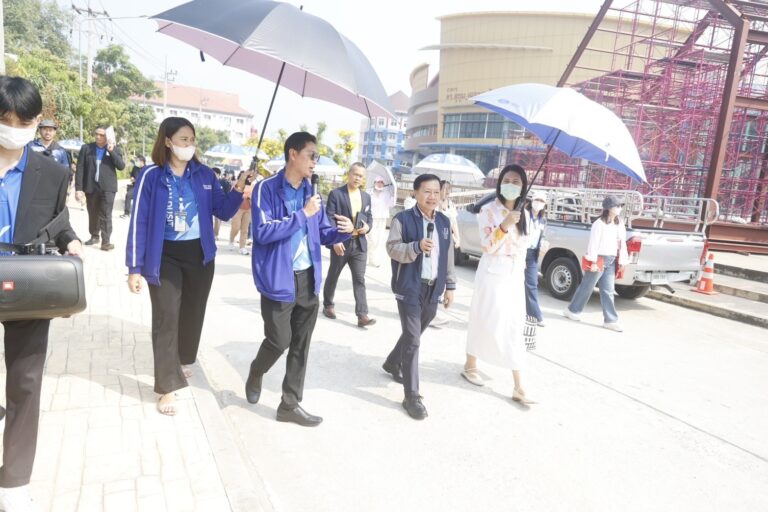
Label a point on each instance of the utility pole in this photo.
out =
(169, 75)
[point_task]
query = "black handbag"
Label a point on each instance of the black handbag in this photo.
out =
(36, 282)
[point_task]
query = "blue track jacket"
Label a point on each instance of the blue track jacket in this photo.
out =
(272, 260)
(145, 235)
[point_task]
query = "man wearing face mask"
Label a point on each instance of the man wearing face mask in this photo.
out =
(96, 180)
(33, 191)
(606, 255)
(48, 146)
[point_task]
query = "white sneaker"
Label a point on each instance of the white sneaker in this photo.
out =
(17, 499)
(541, 323)
(571, 316)
(232, 246)
(613, 326)
(244, 251)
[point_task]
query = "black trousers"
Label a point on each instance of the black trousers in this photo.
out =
(357, 259)
(99, 204)
(26, 342)
(289, 325)
(178, 311)
(414, 319)
(128, 199)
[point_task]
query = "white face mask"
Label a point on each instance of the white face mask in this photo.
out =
(15, 138)
(510, 191)
(537, 206)
(616, 210)
(184, 154)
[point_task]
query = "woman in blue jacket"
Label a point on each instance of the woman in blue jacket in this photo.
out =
(171, 244)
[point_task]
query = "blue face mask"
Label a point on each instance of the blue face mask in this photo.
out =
(510, 191)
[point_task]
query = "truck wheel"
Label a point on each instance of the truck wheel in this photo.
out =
(632, 292)
(562, 278)
(459, 258)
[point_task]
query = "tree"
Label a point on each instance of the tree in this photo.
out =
(208, 137)
(282, 135)
(344, 149)
(116, 73)
(34, 24)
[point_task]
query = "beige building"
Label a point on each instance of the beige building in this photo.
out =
(203, 107)
(481, 51)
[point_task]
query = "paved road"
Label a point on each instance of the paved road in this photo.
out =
(671, 415)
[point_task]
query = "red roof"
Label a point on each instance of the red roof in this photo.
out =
(183, 96)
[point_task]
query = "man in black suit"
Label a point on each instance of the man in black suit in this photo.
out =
(353, 202)
(33, 191)
(97, 168)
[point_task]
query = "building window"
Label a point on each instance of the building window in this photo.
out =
(473, 126)
(382, 122)
(240, 120)
(423, 131)
(174, 112)
(207, 117)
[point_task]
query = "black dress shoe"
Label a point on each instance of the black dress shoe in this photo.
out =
(365, 321)
(329, 312)
(297, 415)
(107, 246)
(394, 370)
(92, 241)
(253, 387)
(414, 407)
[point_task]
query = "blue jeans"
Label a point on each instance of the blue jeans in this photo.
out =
(605, 280)
(532, 285)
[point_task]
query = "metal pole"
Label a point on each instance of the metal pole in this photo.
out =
(255, 161)
(530, 185)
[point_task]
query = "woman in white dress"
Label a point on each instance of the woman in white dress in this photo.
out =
(497, 313)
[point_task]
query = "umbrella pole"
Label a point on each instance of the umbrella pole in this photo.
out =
(536, 175)
(255, 161)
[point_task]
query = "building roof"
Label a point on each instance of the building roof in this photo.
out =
(399, 101)
(184, 96)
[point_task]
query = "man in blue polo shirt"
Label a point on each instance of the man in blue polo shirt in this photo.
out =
(289, 226)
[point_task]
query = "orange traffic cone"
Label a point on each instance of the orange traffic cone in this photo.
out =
(706, 284)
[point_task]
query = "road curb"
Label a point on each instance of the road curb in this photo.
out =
(711, 309)
(741, 273)
(244, 487)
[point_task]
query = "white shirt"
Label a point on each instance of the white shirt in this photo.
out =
(607, 240)
(429, 264)
(535, 230)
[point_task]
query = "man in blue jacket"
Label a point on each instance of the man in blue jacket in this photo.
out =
(289, 226)
(421, 249)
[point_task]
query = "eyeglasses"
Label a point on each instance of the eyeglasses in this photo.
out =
(315, 156)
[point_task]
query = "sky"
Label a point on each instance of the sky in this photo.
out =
(390, 33)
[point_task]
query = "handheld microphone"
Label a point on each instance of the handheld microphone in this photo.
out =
(314, 180)
(430, 230)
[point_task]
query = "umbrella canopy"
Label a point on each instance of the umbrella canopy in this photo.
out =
(234, 151)
(279, 42)
(379, 170)
(569, 121)
(71, 144)
(454, 168)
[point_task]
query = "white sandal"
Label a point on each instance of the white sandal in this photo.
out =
(472, 376)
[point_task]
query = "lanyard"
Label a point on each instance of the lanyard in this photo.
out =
(180, 183)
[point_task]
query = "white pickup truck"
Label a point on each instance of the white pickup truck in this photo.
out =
(666, 237)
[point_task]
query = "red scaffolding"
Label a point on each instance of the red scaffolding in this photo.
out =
(664, 66)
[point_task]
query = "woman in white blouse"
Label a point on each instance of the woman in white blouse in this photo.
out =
(607, 241)
(497, 313)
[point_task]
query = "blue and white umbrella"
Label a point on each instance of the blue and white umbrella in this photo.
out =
(569, 121)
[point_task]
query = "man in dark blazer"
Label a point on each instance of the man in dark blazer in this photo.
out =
(33, 191)
(353, 202)
(97, 168)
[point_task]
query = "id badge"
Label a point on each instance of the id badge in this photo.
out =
(180, 222)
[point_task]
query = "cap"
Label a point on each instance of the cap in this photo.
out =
(539, 195)
(611, 202)
(48, 123)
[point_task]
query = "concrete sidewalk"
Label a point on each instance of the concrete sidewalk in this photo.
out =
(102, 444)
